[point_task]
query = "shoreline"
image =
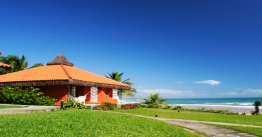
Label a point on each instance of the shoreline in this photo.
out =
(246, 109)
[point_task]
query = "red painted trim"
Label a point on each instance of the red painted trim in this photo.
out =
(67, 73)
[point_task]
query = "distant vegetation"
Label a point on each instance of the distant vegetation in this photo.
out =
(257, 103)
(18, 64)
(154, 100)
(118, 77)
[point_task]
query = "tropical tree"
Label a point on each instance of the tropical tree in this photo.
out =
(118, 77)
(257, 103)
(36, 65)
(15, 61)
(154, 99)
(18, 64)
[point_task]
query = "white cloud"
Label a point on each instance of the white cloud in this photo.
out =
(154, 91)
(229, 93)
(139, 86)
(211, 82)
(178, 82)
(256, 91)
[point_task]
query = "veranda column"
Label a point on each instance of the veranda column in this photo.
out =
(93, 94)
(115, 96)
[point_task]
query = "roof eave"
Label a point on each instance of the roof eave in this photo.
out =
(61, 83)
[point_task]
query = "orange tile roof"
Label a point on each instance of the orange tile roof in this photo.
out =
(5, 65)
(79, 74)
(56, 72)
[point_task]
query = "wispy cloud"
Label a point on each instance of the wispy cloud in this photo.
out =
(211, 82)
(178, 82)
(139, 86)
(256, 91)
(229, 93)
(154, 91)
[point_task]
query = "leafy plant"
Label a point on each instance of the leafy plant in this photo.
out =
(17, 62)
(118, 77)
(178, 107)
(152, 106)
(105, 106)
(74, 104)
(128, 106)
(257, 103)
(167, 107)
(154, 99)
(28, 96)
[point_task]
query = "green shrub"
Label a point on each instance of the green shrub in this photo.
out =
(142, 105)
(105, 106)
(167, 107)
(152, 106)
(178, 107)
(128, 106)
(28, 96)
(138, 104)
(74, 104)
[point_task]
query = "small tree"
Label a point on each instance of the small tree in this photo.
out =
(154, 99)
(257, 103)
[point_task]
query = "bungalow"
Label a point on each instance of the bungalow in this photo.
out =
(61, 80)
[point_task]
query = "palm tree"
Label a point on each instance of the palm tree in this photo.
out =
(18, 63)
(154, 99)
(257, 103)
(117, 76)
(36, 65)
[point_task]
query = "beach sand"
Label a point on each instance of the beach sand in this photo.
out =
(246, 109)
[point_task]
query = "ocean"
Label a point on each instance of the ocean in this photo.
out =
(234, 104)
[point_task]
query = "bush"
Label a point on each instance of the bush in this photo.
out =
(105, 106)
(128, 106)
(207, 110)
(178, 107)
(28, 96)
(152, 106)
(74, 104)
(167, 107)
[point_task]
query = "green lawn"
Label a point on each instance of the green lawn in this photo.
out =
(251, 130)
(10, 106)
(201, 116)
(75, 122)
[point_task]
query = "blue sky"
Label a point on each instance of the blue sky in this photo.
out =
(180, 49)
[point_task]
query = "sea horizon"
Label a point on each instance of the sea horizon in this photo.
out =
(239, 104)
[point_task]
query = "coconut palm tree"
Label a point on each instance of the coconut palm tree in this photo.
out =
(36, 65)
(154, 99)
(118, 77)
(257, 103)
(18, 63)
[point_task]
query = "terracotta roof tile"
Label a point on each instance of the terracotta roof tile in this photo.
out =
(54, 72)
(5, 65)
(79, 74)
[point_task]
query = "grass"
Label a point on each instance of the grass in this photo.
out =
(10, 106)
(73, 122)
(251, 130)
(200, 116)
